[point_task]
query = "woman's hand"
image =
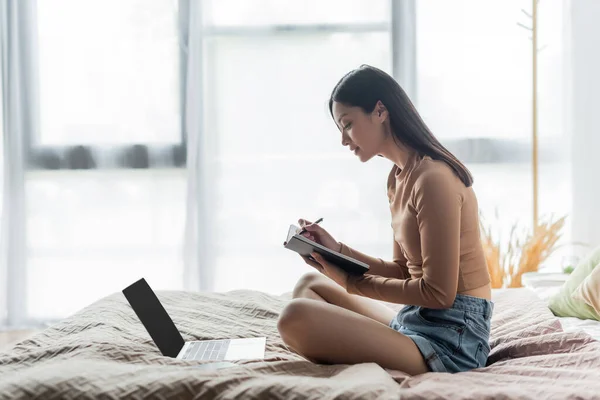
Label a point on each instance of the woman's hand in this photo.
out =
(328, 269)
(317, 234)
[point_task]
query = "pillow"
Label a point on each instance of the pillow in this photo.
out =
(562, 304)
(589, 291)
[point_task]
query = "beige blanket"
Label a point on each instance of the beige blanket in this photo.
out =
(104, 352)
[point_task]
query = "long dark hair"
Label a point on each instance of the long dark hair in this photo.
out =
(365, 86)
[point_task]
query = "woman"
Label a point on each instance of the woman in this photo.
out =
(439, 270)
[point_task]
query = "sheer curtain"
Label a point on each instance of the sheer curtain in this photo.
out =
(15, 118)
(582, 120)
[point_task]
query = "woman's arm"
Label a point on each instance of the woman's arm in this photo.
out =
(379, 267)
(437, 201)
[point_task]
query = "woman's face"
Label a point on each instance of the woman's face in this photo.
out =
(362, 133)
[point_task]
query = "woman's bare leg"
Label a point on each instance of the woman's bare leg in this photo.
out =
(316, 286)
(331, 334)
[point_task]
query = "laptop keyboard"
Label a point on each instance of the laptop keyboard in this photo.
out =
(207, 350)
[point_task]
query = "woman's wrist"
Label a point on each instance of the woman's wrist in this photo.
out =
(351, 283)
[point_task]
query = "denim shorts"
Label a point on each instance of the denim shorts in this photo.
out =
(452, 339)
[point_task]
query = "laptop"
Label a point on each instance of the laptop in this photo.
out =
(169, 341)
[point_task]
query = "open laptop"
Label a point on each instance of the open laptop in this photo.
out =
(165, 334)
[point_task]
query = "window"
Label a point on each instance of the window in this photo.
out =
(105, 193)
(109, 76)
(105, 199)
(474, 85)
(270, 68)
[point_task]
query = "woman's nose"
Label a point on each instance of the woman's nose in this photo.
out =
(345, 141)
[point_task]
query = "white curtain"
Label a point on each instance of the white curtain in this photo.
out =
(199, 274)
(16, 118)
(583, 122)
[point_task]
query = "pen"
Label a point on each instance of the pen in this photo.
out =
(304, 230)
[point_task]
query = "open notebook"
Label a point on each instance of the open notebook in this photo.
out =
(305, 246)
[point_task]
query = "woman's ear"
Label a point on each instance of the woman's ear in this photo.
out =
(381, 111)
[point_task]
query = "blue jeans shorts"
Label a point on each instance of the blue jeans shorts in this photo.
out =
(452, 339)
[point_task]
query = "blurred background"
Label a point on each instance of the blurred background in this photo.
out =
(178, 139)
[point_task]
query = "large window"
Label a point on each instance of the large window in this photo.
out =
(104, 188)
(105, 132)
(105, 194)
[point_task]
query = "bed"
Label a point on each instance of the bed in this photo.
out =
(104, 352)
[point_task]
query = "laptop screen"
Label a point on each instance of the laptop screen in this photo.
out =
(154, 317)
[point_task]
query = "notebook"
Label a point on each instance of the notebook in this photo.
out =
(305, 246)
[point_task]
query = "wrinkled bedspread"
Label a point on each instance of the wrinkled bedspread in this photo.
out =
(104, 352)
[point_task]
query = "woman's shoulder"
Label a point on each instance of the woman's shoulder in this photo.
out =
(430, 169)
(426, 173)
(435, 176)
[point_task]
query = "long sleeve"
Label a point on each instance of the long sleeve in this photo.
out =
(379, 267)
(436, 200)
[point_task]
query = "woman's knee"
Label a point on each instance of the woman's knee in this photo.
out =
(307, 281)
(294, 318)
